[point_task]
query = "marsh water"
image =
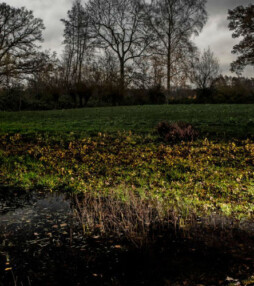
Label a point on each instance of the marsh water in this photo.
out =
(42, 242)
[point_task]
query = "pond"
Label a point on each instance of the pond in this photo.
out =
(45, 240)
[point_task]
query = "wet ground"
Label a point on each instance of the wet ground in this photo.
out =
(42, 243)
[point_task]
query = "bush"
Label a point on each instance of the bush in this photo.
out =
(205, 95)
(11, 99)
(65, 101)
(156, 95)
(178, 131)
(163, 128)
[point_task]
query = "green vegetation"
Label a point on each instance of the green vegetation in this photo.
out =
(233, 120)
(82, 151)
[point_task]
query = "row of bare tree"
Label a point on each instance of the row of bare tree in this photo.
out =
(110, 46)
(141, 43)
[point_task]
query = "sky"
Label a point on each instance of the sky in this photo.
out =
(215, 34)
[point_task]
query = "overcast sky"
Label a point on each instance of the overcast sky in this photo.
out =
(215, 34)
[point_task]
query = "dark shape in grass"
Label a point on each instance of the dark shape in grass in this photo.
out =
(177, 131)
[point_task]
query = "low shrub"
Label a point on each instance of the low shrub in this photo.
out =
(163, 128)
(177, 131)
(156, 95)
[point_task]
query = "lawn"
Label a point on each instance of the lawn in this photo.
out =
(233, 120)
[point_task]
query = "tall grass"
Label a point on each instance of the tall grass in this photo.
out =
(141, 221)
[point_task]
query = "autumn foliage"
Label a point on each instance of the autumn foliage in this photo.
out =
(196, 177)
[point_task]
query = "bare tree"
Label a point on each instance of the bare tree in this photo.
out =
(119, 25)
(205, 69)
(174, 22)
(20, 33)
(157, 72)
(140, 75)
(77, 40)
(149, 71)
(107, 63)
(48, 80)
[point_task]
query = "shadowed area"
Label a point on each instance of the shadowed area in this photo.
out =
(42, 242)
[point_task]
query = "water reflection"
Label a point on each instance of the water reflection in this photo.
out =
(55, 239)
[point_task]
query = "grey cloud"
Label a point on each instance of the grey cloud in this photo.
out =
(217, 35)
(51, 12)
(223, 24)
(216, 7)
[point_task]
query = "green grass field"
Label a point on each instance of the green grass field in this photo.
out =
(91, 150)
(221, 119)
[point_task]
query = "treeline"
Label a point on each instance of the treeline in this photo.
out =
(224, 89)
(115, 52)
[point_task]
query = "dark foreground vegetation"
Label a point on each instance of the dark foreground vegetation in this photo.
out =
(43, 243)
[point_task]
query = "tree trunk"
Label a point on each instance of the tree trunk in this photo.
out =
(168, 75)
(169, 55)
(80, 100)
(122, 79)
(20, 101)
